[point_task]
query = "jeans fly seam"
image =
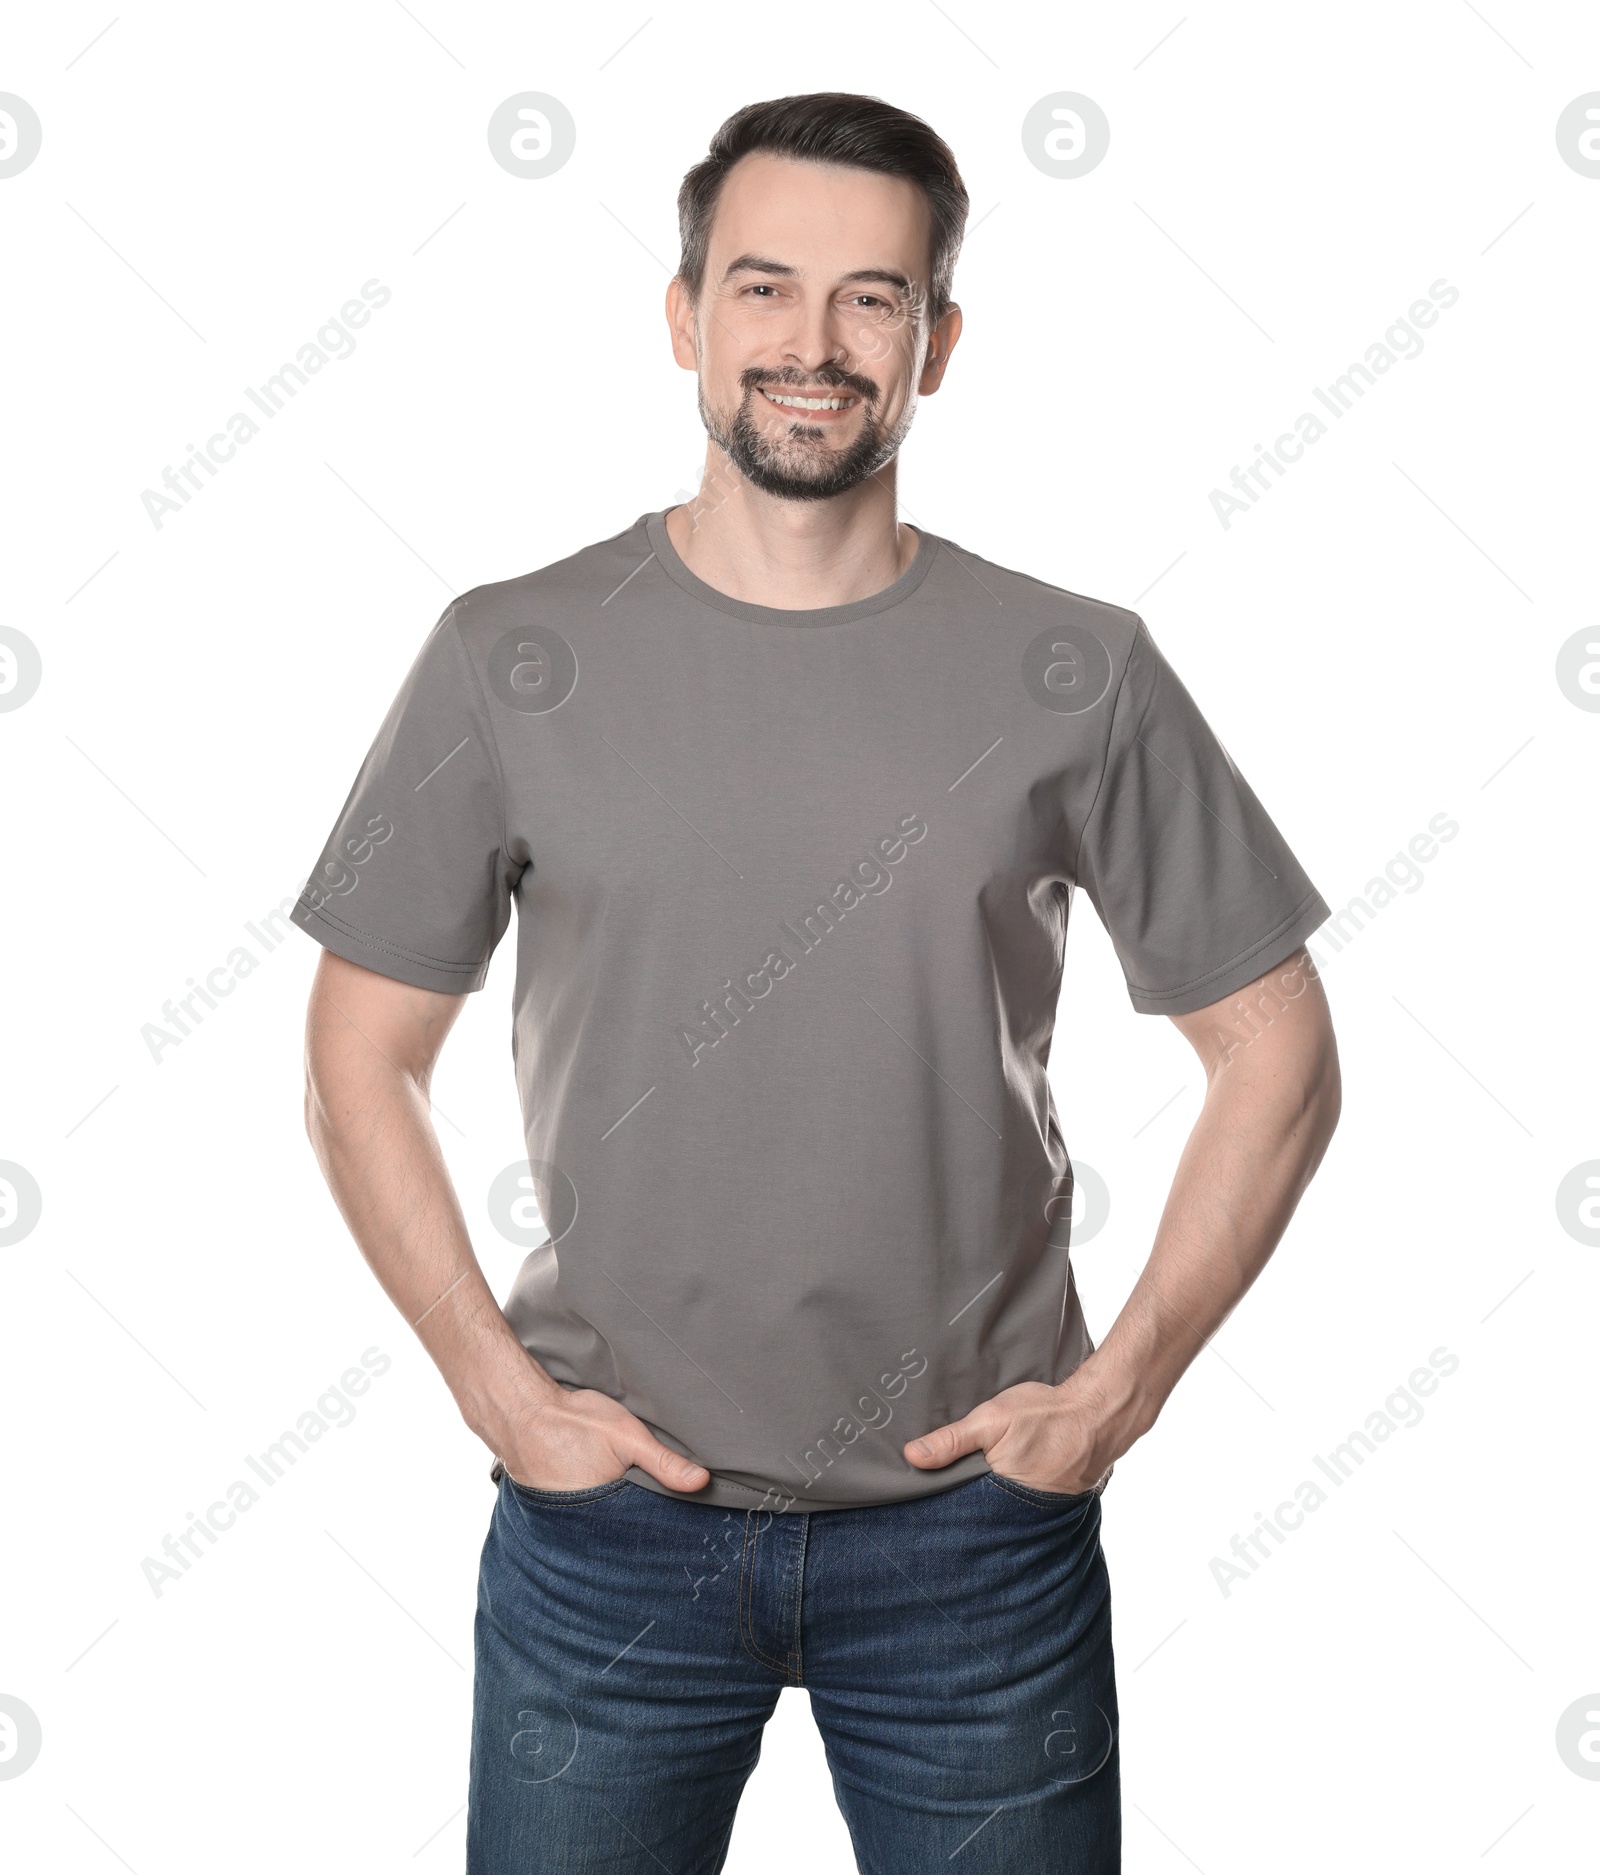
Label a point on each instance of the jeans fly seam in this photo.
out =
(796, 1658)
(747, 1633)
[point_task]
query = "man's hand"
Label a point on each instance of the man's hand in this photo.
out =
(570, 1438)
(1272, 1102)
(371, 1044)
(1063, 1438)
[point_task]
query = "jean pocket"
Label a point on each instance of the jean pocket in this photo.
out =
(1049, 1500)
(585, 1494)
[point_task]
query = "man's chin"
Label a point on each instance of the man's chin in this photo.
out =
(810, 481)
(796, 488)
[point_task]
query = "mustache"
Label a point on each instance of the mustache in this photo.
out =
(828, 377)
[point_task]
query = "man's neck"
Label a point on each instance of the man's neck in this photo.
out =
(796, 555)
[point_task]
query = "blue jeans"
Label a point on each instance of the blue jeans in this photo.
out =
(957, 1650)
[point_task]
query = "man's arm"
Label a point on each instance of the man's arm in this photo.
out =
(371, 1045)
(1271, 1105)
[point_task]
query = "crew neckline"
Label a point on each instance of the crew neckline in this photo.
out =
(677, 570)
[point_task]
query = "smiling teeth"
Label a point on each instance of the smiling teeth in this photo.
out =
(809, 403)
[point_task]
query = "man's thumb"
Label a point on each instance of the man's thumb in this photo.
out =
(672, 1468)
(944, 1445)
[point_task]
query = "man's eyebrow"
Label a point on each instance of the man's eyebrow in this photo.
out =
(886, 274)
(756, 263)
(759, 263)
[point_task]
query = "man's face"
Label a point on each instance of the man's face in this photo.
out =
(815, 289)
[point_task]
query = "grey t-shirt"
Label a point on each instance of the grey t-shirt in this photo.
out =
(792, 892)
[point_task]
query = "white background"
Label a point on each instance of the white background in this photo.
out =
(1375, 641)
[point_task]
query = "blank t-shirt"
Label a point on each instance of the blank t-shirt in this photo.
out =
(792, 892)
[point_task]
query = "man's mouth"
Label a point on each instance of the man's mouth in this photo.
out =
(788, 400)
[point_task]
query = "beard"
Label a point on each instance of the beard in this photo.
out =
(798, 465)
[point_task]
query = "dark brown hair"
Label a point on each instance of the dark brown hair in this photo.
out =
(831, 127)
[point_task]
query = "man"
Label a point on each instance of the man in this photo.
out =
(791, 799)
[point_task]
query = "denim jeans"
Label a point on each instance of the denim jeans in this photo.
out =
(630, 1647)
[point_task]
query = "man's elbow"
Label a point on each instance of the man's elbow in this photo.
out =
(314, 1109)
(1332, 1097)
(323, 1067)
(1323, 1099)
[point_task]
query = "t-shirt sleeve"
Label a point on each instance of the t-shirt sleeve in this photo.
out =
(1196, 886)
(415, 881)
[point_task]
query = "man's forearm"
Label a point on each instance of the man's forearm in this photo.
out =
(370, 1127)
(371, 1043)
(1266, 1122)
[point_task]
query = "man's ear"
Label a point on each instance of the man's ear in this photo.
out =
(682, 325)
(941, 343)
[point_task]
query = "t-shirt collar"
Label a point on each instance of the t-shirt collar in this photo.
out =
(655, 526)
